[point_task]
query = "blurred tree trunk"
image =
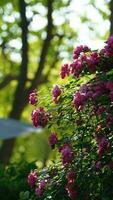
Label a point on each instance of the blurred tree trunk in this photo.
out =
(21, 93)
(15, 113)
(111, 17)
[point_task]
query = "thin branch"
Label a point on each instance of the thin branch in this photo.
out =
(7, 80)
(45, 47)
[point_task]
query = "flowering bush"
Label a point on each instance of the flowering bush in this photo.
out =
(80, 120)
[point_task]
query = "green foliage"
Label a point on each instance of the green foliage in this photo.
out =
(13, 180)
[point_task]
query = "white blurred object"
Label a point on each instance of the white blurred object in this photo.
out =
(10, 128)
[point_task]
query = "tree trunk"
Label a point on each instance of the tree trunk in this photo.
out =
(17, 108)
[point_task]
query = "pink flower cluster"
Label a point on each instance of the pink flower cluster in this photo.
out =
(109, 120)
(40, 189)
(109, 86)
(76, 67)
(103, 145)
(79, 100)
(78, 50)
(98, 110)
(92, 92)
(33, 97)
(67, 154)
(39, 117)
(56, 92)
(86, 61)
(70, 187)
(65, 71)
(108, 50)
(93, 61)
(32, 177)
(53, 140)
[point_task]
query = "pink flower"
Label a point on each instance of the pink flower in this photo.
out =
(72, 192)
(67, 154)
(78, 50)
(39, 117)
(98, 110)
(53, 140)
(65, 71)
(40, 189)
(109, 47)
(33, 97)
(76, 67)
(71, 176)
(38, 192)
(42, 184)
(93, 61)
(109, 85)
(79, 100)
(56, 92)
(109, 120)
(84, 89)
(99, 127)
(32, 177)
(98, 89)
(70, 185)
(103, 145)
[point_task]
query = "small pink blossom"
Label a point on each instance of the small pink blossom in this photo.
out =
(56, 92)
(109, 85)
(109, 119)
(65, 71)
(71, 176)
(71, 190)
(108, 50)
(40, 189)
(79, 49)
(79, 100)
(33, 97)
(76, 67)
(42, 184)
(103, 145)
(67, 154)
(98, 110)
(84, 89)
(39, 117)
(32, 177)
(93, 61)
(98, 89)
(38, 192)
(53, 140)
(99, 127)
